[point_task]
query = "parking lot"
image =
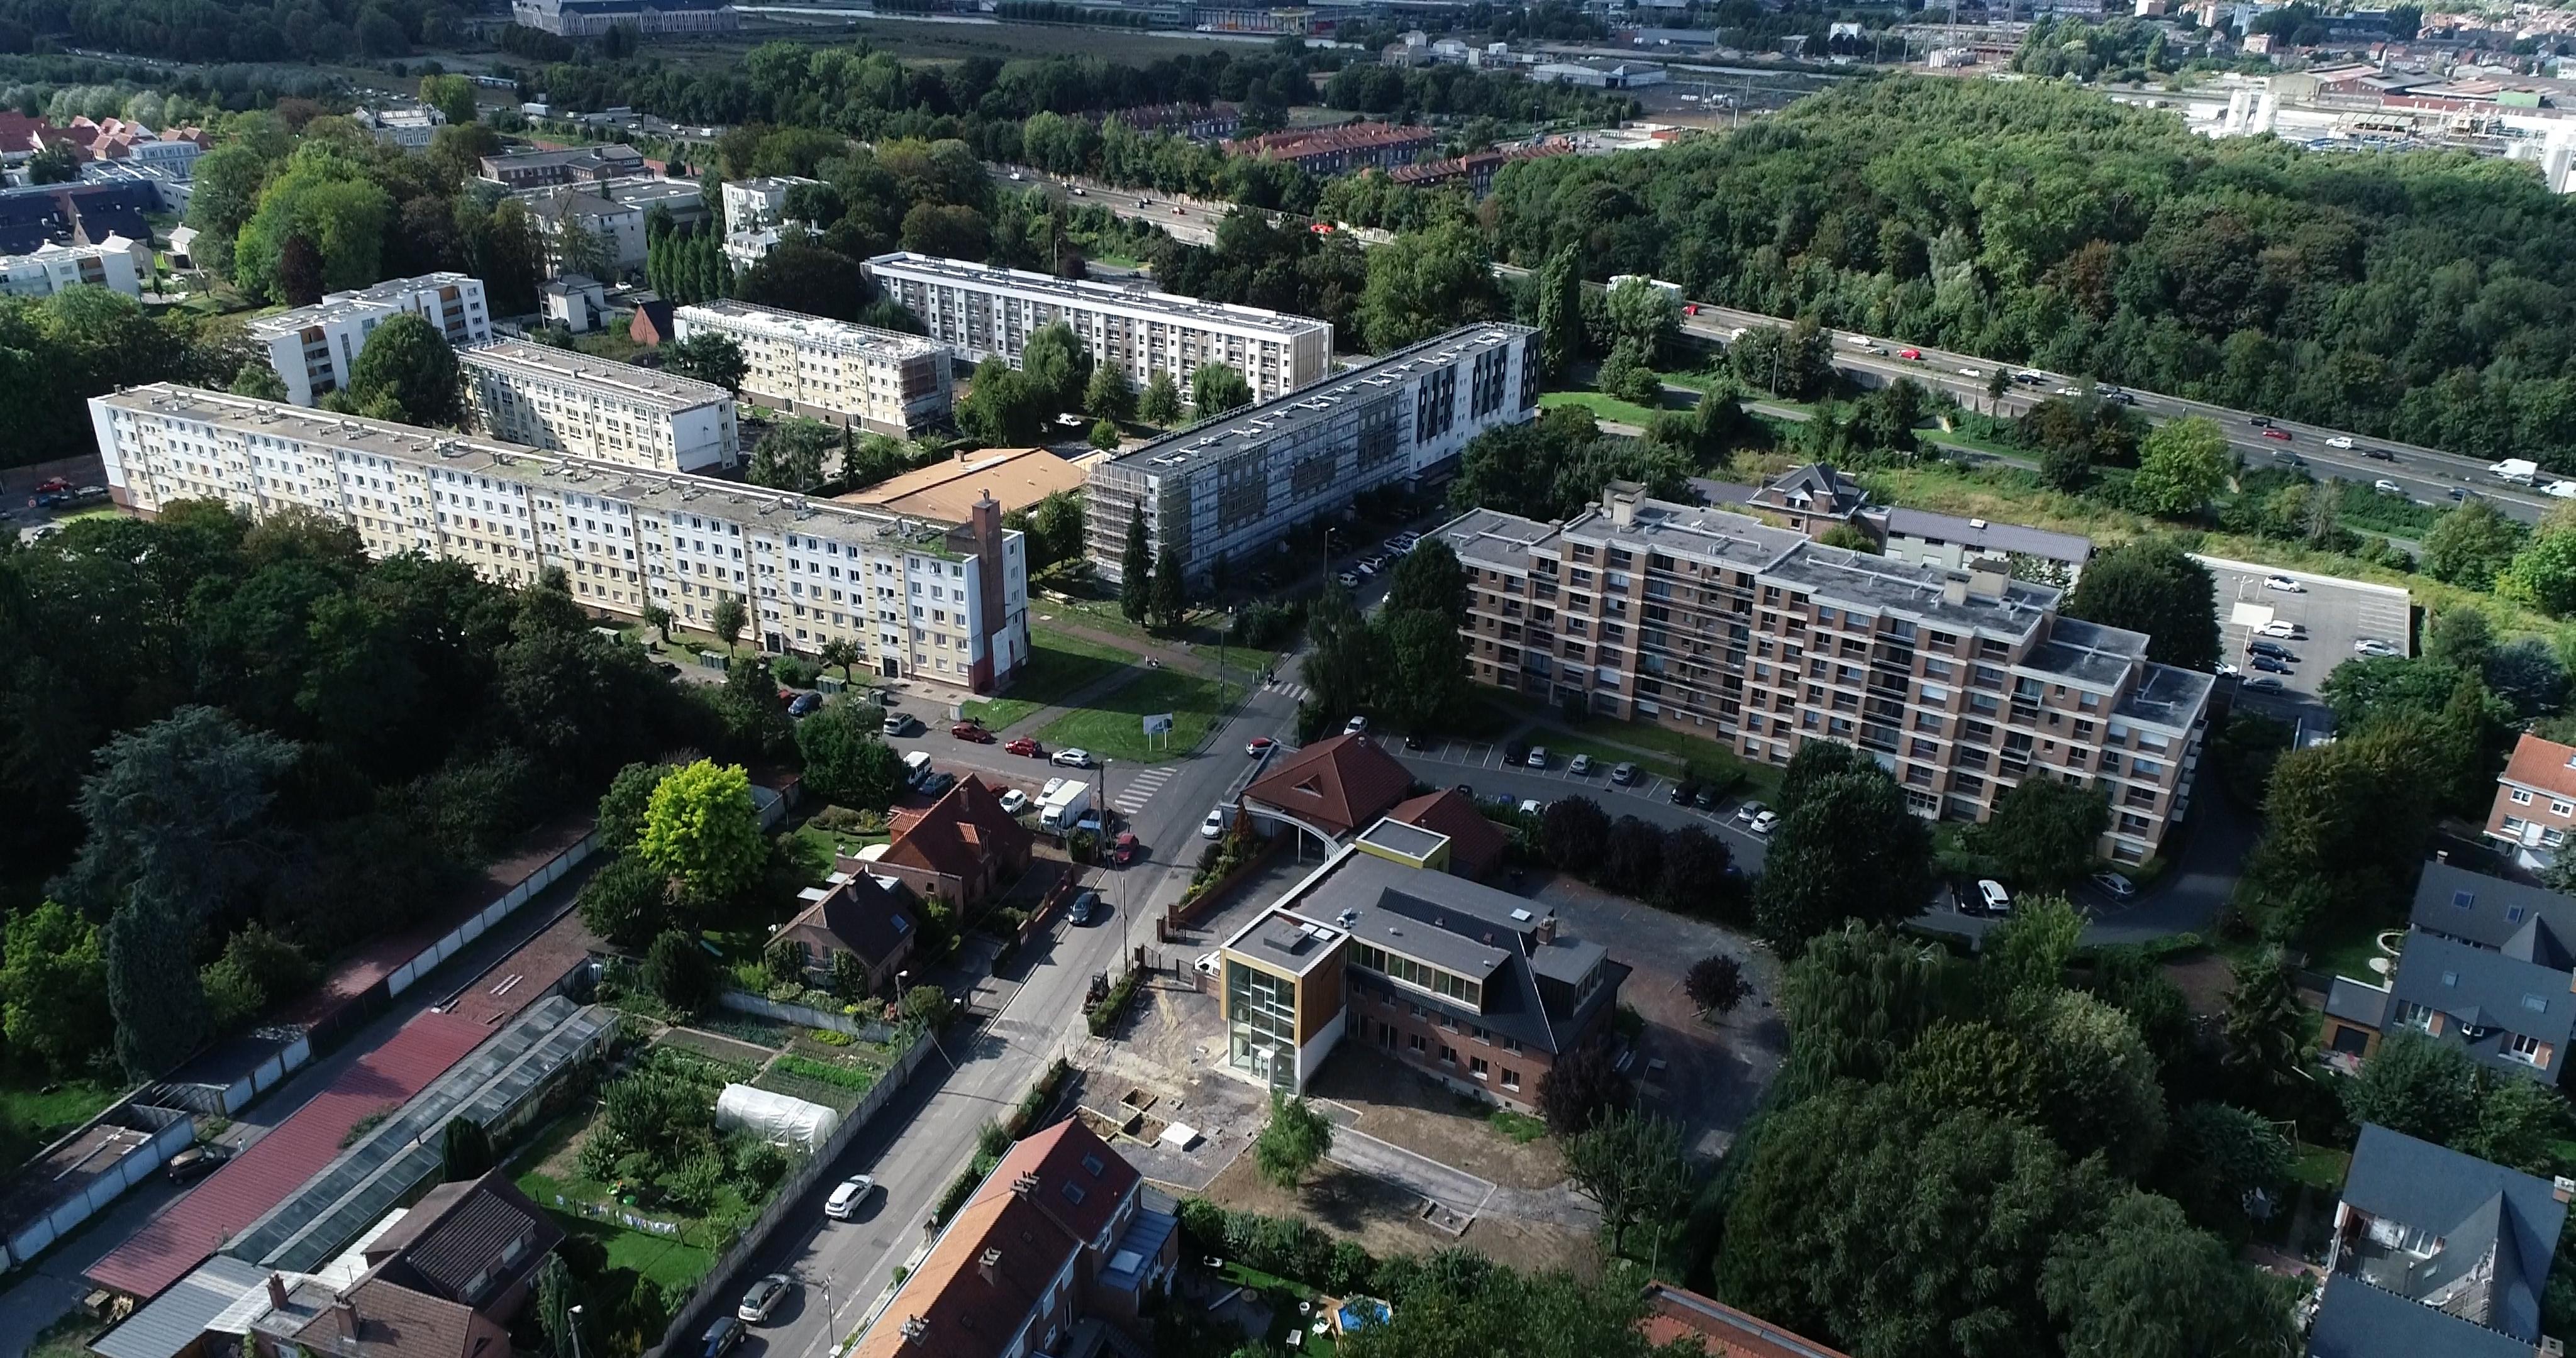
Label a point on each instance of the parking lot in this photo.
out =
(2333, 614)
(1480, 765)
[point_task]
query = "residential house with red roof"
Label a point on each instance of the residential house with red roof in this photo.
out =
(874, 918)
(442, 1282)
(1330, 789)
(1060, 1230)
(2535, 801)
(1677, 1313)
(963, 849)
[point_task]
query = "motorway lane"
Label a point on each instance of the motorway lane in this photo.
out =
(921, 1140)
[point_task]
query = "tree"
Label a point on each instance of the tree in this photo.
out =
(153, 988)
(1107, 396)
(1216, 389)
(1560, 312)
(2459, 636)
(728, 618)
(225, 183)
(2419, 1085)
(1816, 763)
(53, 988)
(1161, 406)
(2222, 1162)
(55, 164)
(1583, 1087)
(790, 455)
(1105, 436)
(1429, 577)
(2471, 545)
(2102, 1093)
(257, 972)
(703, 829)
(2153, 586)
(451, 95)
(2266, 1033)
(847, 761)
(2543, 574)
(1171, 601)
(1716, 983)
(2518, 1122)
(627, 902)
(2181, 465)
(2025, 959)
(2145, 1284)
(1425, 670)
(408, 362)
(804, 274)
(2043, 832)
(1293, 1141)
(1571, 834)
(1424, 284)
(1634, 1166)
(299, 271)
(1056, 366)
(709, 357)
(1697, 875)
(679, 972)
(1849, 849)
(2345, 825)
(464, 1151)
(1002, 405)
(623, 807)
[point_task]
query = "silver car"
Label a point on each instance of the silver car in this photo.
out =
(763, 1298)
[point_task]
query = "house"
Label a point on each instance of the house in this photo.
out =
(1476, 845)
(652, 326)
(1462, 982)
(1060, 1230)
(1812, 499)
(2535, 801)
(575, 301)
(2488, 963)
(1677, 1313)
(442, 1282)
(1329, 789)
(1335, 150)
(963, 850)
(2436, 1252)
(875, 919)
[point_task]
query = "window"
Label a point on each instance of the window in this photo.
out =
(1476, 1067)
(2521, 797)
(1072, 1192)
(2513, 914)
(2464, 899)
(2531, 1049)
(1511, 1078)
(2535, 1004)
(2562, 808)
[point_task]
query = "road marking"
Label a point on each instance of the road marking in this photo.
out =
(1295, 692)
(1141, 789)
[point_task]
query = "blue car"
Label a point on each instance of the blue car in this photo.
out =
(804, 703)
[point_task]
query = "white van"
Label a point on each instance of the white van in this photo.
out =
(916, 766)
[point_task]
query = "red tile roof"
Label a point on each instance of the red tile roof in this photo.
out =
(1069, 1154)
(520, 979)
(1678, 1313)
(1335, 785)
(2543, 765)
(1476, 845)
(280, 1162)
(977, 1286)
(959, 831)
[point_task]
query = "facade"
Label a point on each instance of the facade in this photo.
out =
(1476, 171)
(1600, 75)
(871, 917)
(1339, 150)
(1018, 477)
(1197, 122)
(750, 204)
(947, 604)
(315, 348)
(51, 268)
(577, 302)
(2535, 801)
(850, 375)
(570, 402)
(1462, 982)
(983, 312)
(1060, 1230)
(592, 18)
(574, 165)
(1233, 487)
(1960, 683)
(964, 849)
(560, 210)
(2489, 964)
(2436, 1252)
(409, 127)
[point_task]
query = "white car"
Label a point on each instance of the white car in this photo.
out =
(1071, 759)
(2284, 584)
(2227, 671)
(1536, 758)
(1014, 802)
(2373, 646)
(1765, 823)
(2387, 487)
(1531, 806)
(2277, 628)
(1972, 372)
(1214, 825)
(2339, 441)
(2115, 886)
(2563, 490)
(1991, 895)
(1356, 726)
(2070, 391)
(848, 1196)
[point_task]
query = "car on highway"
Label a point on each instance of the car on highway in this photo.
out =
(2264, 685)
(1581, 767)
(848, 1196)
(763, 1298)
(1878, 349)
(2259, 421)
(2284, 584)
(1623, 774)
(1972, 372)
(2070, 391)
(2560, 490)
(972, 730)
(2271, 664)
(1992, 897)
(1259, 745)
(2340, 441)
(2373, 646)
(2115, 886)
(1075, 758)
(2286, 458)
(1086, 906)
(1025, 748)
(2279, 628)
(1214, 825)
(2282, 435)
(2387, 487)
(1013, 801)
(1764, 824)
(1914, 355)
(721, 1338)
(1124, 850)
(2379, 454)
(1536, 758)
(2031, 377)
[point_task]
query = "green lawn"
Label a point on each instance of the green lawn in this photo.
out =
(664, 1260)
(2319, 1167)
(51, 1115)
(1061, 664)
(1602, 407)
(1115, 728)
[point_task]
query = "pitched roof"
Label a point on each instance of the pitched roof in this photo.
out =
(1678, 1313)
(2357, 1320)
(2483, 988)
(977, 1284)
(1079, 1180)
(1335, 785)
(2489, 911)
(465, 1242)
(1815, 488)
(1475, 843)
(869, 915)
(392, 1321)
(2477, 1213)
(178, 1318)
(2543, 765)
(961, 829)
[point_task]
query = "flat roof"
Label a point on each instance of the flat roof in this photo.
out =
(1493, 538)
(667, 391)
(1085, 293)
(391, 292)
(1413, 841)
(1255, 426)
(797, 327)
(2003, 537)
(1017, 477)
(1856, 579)
(1699, 532)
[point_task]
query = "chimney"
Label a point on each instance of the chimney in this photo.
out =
(1547, 929)
(989, 1266)
(914, 1327)
(277, 1291)
(2442, 855)
(2562, 1188)
(1954, 591)
(1026, 1185)
(344, 1317)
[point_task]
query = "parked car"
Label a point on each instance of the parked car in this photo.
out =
(2270, 665)
(194, 1163)
(1765, 823)
(1026, 748)
(1076, 758)
(2264, 685)
(2115, 886)
(1214, 825)
(1349, 579)
(2278, 628)
(1086, 904)
(2284, 584)
(971, 730)
(1681, 793)
(1013, 802)
(1537, 757)
(2374, 646)
(722, 1337)
(1992, 897)
(1258, 746)
(1514, 751)
(1532, 806)
(2274, 649)
(1581, 767)
(2226, 671)
(1706, 798)
(1749, 810)
(763, 1298)
(848, 1197)
(803, 704)
(1623, 774)
(1356, 726)
(1124, 850)
(901, 724)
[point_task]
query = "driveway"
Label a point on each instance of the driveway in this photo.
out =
(2187, 899)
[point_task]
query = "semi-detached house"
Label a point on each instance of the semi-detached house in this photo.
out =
(2489, 965)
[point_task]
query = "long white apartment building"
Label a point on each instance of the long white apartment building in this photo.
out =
(941, 602)
(981, 311)
(571, 402)
(315, 348)
(850, 375)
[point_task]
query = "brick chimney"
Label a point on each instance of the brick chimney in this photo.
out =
(1547, 929)
(277, 1291)
(989, 1266)
(344, 1317)
(1025, 1185)
(992, 594)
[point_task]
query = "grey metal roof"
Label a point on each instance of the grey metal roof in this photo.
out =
(1858, 579)
(1490, 537)
(2399, 1178)
(2167, 696)
(1983, 533)
(179, 1316)
(2487, 911)
(2483, 989)
(2357, 1001)
(2357, 1320)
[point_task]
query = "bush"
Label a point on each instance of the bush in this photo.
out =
(678, 971)
(794, 671)
(1285, 1246)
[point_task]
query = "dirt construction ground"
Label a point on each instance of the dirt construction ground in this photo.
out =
(1381, 1217)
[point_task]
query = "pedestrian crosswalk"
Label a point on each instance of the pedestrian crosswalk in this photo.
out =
(1140, 789)
(1295, 692)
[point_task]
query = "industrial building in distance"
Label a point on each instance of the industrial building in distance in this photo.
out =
(571, 402)
(982, 312)
(592, 18)
(315, 348)
(944, 603)
(855, 376)
(1231, 489)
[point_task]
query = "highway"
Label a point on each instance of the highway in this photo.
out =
(2428, 475)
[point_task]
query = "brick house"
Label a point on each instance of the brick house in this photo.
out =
(1329, 789)
(1677, 1313)
(876, 919)
(443, 1282)
(964, 849)
(2535, 801)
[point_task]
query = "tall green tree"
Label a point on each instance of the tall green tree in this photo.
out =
(1161, 404)
(2153, 586)
(2182, 465)
(409, 368)
(2043, 833)
(1633, 1165)
(1136, 570)
(2471, 545)
(1427, 283)
(1560, 312)
(53, 988)
(2145, 1283)
(709, 357)
(1292, 1142)
(847, 760)
(1171, 601)
(1849, 849)
(703, 829)
(1216, 389)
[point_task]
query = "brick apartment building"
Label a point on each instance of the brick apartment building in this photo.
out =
(1962, 683)
(1339, 150)
(2535, 801)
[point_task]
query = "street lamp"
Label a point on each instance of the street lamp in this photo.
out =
(575, 1327)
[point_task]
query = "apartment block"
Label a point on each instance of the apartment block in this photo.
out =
(570, 402)
(850, 375)
(50, 268)
(1961, 683)
(983, 312)
(572, 165)
(750, 204)
(1232, 488)
(945, 603)
(1463, 982)
(1338, 150)
(2535, 802)
(315, 348)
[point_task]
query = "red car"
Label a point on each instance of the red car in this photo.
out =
(2281, 434)
(1124, 850)
(974, 731)
(1914, 354)
(1025, 746)
(1690, 308)
(1260, 746)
